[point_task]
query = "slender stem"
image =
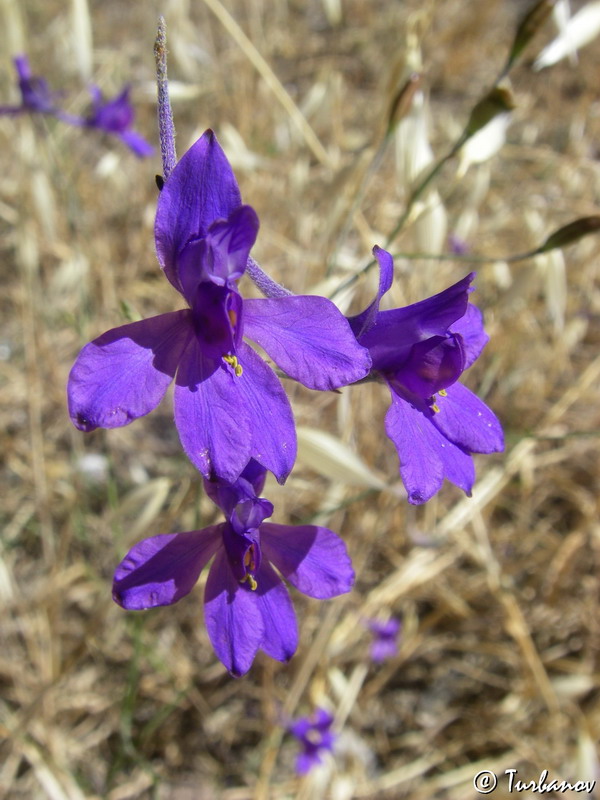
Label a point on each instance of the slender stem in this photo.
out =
(469, 259)
(166, 128)
(433, 172)
(265, 284)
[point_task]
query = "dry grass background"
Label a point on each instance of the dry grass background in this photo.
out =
(499, 660)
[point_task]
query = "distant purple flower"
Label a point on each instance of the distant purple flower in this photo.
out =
(385, 639)
(420, 352)
(229, 405)
(36, 95)
(315, 735)
(116, 117)
(246, 604)
(457, 245)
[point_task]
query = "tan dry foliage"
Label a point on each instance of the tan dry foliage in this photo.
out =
(498, 666)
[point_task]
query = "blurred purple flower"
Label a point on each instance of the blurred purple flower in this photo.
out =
(315, 736)
(421, 351)
(385, 639)
(36, 95)
(246, 605)
(457, 245)
(229, 405)
(116, 117)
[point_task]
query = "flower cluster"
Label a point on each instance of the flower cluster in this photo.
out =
(315, 737)
(246, 604)
(114, 117)
(235, 421)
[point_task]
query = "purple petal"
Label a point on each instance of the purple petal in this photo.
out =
(432, 365)
(271, 419)
(247, 487)
(256, 475)
(306, 761)
(211, 415)
(468, 422)
(470, 327)
(220, 257)
(124, 373)
(112, 116)
(21, 63)
(163, 569)
(362, 322)
(230, 242)
(137, 144)
(201, 189)
(426, 456)
(382, 649)
(308, 338)
(311, 558)
(395, 331)
(280, 639)
(233, 618)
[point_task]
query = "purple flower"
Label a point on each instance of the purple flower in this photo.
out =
(420, 352)
(315, 736)
(116, 117)
(385, 639)
(246, 605)
(36, 95)
(229, 405)
(457, 245)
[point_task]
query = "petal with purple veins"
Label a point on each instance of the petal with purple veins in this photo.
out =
(162, 569)
(212, 415)
(468, 422)
(308, 338)
(201, 189)
(233, 618)
(311, 558)
(426, 456)
(271, 421)
(124, 373)
(280, 638)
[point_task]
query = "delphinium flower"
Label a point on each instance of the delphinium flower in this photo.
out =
(36, 95)
(116, 117)
(420, 352)
(229, 405)
(315, 736)
(385, 639)
(457, 245)
(246, 604)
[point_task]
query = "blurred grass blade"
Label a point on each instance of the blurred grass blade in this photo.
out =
(328, 456)
(580, 30)
(402, 100)
(527, 29)
(82, 38)
(498, 101)
(570, 233)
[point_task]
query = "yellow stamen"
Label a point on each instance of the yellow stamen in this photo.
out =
(435, 408)
(234, 363)
(249, 558)
(232, 317)
(250, 579)
(443, 393)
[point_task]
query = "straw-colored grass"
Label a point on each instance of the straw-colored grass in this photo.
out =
(499, 660)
